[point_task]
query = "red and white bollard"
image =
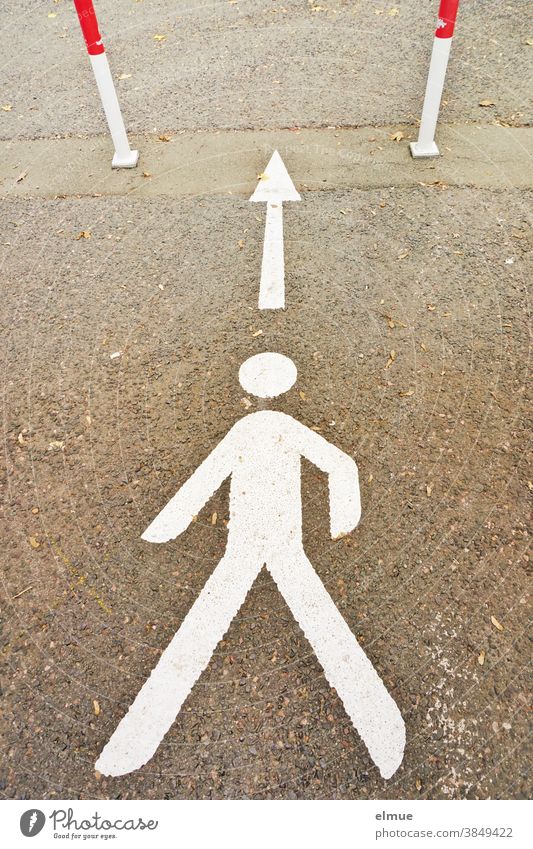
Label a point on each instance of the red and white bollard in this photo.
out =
(425, 146)
(124, 157)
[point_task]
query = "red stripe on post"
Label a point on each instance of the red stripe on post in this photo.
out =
(89, 26)
(447, 17)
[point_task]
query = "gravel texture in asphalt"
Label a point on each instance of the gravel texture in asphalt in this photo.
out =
(125, 322)
(260, 64)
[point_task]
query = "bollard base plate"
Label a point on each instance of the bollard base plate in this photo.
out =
(129, 161)
(426, 151)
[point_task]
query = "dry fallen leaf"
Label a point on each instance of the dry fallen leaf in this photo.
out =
(83, 234)
(302, 395)
(496, 624)
(431, 307)
(56, 444)
(397, 137)
(429, 490)
(7, 107)
(403, 254)
(438, 183)
(159, 37)
(392, 357)
(393, 12)
(34, 542)
(165, 138)
(146, 174)
(96, 708)
(262, 176)
(487, 103)
(257, 333)
(481, 658)
(241, 244)
(21, 177)
(124, 76)
(393, 322)
(418, 784)
(406, 394)
(214, 518)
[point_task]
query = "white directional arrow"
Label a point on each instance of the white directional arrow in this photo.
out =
(274, 187)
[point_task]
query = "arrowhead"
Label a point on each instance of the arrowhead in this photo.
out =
(275, 183)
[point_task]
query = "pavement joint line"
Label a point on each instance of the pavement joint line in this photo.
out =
(214, 131)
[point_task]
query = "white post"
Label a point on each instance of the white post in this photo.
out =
(124, 157)
(425, 146)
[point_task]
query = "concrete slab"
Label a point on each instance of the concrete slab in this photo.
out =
(194, 164)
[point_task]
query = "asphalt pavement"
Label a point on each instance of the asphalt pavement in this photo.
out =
(129, 302)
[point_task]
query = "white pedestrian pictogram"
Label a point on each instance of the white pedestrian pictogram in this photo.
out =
(262, 453)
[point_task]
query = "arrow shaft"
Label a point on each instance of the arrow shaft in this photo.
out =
(272, 286)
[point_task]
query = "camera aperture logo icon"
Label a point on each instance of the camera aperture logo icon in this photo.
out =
(32, 822)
